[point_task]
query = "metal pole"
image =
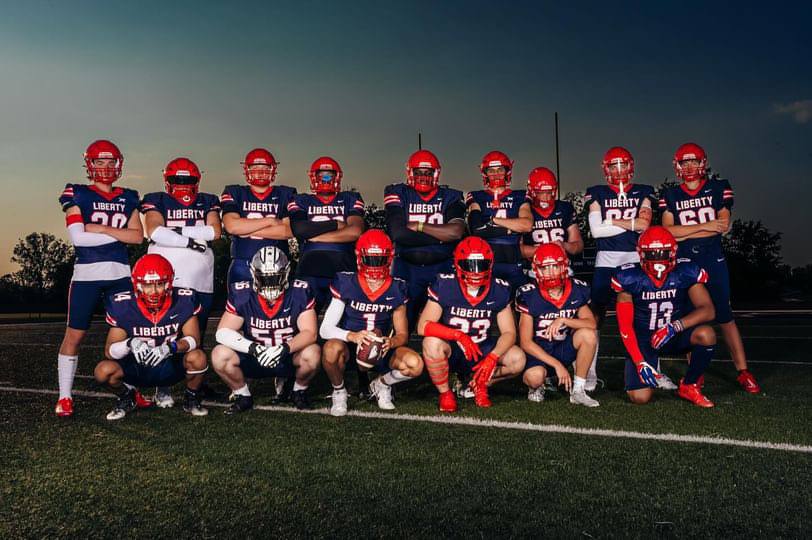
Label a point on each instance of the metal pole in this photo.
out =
(419, 141)
(557, 164)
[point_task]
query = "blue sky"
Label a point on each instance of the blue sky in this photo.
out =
(213, 80)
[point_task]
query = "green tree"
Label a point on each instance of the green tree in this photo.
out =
(44, 262)
(753, 255)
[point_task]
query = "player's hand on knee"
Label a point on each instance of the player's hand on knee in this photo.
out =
(564, 377)
(156, 355)
(269, 357)
(469, 348)
(648, 374)
(140, 350)
(664, 334)
(484, 369)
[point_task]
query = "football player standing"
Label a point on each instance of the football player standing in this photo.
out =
(556, 326)
(267, 330)
(180, 223)
(256, 215)
(153, 339)
(698, 213)
(500, 215)
(456, 322)
(425, 220)
(365, 301)
(663, 307)
(100, 220)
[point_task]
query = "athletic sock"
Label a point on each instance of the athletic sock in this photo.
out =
(243, 391)
(700, 359)
(66, 369)
(393, 377)
(298, 387)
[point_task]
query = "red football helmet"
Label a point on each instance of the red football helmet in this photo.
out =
(182, 179)
(657, 248)
(624, 162)
(259, 176)
(542, 187)
(423, 182)
(473, 259)
(551, 266)
(325, 183)
(496, 158)
(149, 273)
(690, 173)
(374, 254)
(103, 149)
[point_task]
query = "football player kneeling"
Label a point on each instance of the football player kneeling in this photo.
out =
(154, 338)
(267, 330)
(358, 323)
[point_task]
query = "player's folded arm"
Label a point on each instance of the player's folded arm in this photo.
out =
(400, 233)
(304, 229)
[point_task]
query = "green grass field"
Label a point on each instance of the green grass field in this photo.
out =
(164, 474)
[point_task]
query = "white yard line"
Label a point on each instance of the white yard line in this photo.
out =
(475, 422)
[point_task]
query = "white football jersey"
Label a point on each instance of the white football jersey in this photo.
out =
(193, 270)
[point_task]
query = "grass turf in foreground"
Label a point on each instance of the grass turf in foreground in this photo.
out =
(164, 474)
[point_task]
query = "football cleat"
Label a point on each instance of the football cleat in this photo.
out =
(664, 383)
(462, 388)
(481, 396)
(447, 402)
(339, 406)
(748, 382)
(192, 405)
(580, 398)
(239, 405)
(209, 393)
(536, 395)
(125, 404)
(141, 402)
(383, 393)
(300, 400)
(163, 398)
(64, 407)
(692, 393)
(592, 384)
(284, 392)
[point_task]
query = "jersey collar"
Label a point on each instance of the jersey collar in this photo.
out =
(373, 295)
(474, 300)
(545, 213)
(564, 296)
(428, 196)
(693, 192)
(263, 195)
(498, 198)
(626, 187)
(268, 309)
(158, 315)
(109, 196)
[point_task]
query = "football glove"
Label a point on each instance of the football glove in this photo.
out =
(648, 374)
(664, 334)
(269, 357)
(139, 349)
(484, 369)
(196, 246)
(156, 355)
(469, 348)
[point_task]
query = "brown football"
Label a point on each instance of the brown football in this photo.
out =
(369, 353)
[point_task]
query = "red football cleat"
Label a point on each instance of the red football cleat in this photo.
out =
(141, 402)
(481, 396)
(64, 407)
(447, 402)
(692, 393)
(748, 382)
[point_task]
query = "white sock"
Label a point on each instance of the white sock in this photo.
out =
(393, 377)
(242, 391)
(337, 387)
(279, 382)
(128, 386)
(298, 387)
(66, 369)
(578, 384)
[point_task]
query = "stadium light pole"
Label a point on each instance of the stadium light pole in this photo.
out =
(419, 141)
(557, 165)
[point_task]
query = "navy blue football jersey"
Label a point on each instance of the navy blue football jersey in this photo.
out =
(654, 306)
(177, 214)
(260, 322)
(339, 208)
(552, 227)
(700, 206)
(506, 206)
(246, 203)
(614, 207)
(530, 300)
(110, 209)
(445, 206)
(475, 320)
(363, 311)
(124, 312)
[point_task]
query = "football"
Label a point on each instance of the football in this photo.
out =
(369, 353)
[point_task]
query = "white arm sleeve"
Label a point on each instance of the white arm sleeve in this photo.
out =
(200, 232)
(599, 230)
(233, 340)
(329, 326)
(80, 238)
(164, 236)
(119, 349)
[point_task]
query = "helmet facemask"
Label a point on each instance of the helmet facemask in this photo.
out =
(270, 270)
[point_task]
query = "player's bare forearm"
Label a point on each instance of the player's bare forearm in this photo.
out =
(398, 340)
(506, 341)
(527, 251)
(301, 340)
(127, 236)
(576, 324)
(574, 248)
(703, 311)
(450, 232)
(517, 225)
(532, 348)
(240, 226)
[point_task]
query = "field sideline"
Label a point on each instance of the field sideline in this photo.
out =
(519, 469)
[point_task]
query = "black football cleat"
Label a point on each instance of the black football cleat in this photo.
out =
(284, 397)
(207, 392)
(240, 405)
(300, 400)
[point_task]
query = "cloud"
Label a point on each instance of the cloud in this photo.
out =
(801, 111)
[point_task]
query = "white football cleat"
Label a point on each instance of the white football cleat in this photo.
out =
(339, 406)
(536, 395)
(383, 393)
(664, 383)
(580, 398)
(163, 398)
